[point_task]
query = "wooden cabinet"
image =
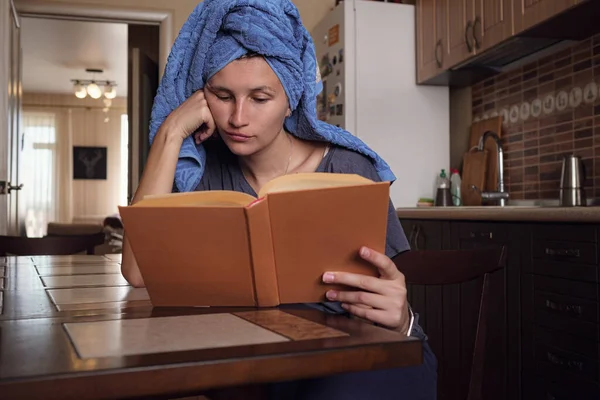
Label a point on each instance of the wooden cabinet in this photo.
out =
(528, 13)
(451, 32)
(560, 308)
(431, 24)
(426, 235)
(546, 337)
(460, 43)
(493, 23)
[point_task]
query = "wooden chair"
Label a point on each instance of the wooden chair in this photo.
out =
(441, 286)
(50, 245)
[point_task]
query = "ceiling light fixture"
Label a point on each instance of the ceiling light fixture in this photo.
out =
(84, 87)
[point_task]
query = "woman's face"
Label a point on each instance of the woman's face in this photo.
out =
(248, 104)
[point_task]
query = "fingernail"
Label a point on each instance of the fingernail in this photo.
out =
(331, 295)
(364, 252)
(328, 277)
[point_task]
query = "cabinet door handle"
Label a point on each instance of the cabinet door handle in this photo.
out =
(418, 233)
(439, 49)
(411, 238)
(477, 42)
(563, 252)
(467, 39)
(564, 362)
(564, 308)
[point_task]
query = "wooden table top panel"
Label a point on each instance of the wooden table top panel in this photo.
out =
(41, 356)
(38, 357)
(87, 269)
(26, 296)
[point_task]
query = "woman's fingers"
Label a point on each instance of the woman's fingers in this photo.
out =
(370, 300)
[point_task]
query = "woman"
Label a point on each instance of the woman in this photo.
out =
(236, 109)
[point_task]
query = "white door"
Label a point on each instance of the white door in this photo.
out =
(11, 221)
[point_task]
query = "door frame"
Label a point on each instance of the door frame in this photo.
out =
(105, 13)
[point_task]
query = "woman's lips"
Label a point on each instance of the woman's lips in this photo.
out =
(238, 137)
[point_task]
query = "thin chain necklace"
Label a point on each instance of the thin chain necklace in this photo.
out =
(290, 157)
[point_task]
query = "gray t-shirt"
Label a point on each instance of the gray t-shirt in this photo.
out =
(223, 172)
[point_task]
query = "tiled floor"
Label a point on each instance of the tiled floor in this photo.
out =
(157, 335)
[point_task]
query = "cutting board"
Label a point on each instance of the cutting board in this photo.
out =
(477, 130)
(474, 173)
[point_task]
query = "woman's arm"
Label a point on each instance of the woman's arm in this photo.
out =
(157, 178)
(191, 117)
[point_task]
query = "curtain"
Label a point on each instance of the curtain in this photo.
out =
(39, 172)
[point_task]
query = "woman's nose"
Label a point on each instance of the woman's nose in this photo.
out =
(238, 117)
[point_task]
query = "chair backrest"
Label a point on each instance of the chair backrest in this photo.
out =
(50, 245)
(458, 331)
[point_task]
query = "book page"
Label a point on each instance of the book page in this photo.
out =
(212, 198)
(314, 180)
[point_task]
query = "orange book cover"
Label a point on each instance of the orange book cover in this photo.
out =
(225, 248)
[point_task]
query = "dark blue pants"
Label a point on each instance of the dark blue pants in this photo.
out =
(410, 383)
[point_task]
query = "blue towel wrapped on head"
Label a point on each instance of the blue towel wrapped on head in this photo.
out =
(220, 31)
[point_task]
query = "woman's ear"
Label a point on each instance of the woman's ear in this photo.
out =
(288, 112)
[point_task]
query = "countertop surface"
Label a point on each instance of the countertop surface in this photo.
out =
(524, 213)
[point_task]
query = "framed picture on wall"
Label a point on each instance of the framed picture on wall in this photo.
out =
(89, 162)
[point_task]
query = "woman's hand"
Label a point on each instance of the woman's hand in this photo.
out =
(192, 117)
(381, 300)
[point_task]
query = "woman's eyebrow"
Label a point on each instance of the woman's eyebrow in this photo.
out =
(263, 89)
(218, 88)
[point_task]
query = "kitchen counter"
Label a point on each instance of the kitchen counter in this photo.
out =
(589, 214)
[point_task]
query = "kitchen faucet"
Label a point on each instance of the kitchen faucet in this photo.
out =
(501, 196)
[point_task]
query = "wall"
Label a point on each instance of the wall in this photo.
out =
(551, 107)
(81, 123)
(311, 11)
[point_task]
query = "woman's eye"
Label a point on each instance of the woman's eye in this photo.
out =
(260, 100)
(224, 98)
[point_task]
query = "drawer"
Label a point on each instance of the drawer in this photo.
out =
(562, 251)
(547, 357)
(560, 232)
(577, 328)
(573, 271)
(534, 335)
(566, 307)
(558, 388)
(565, 287)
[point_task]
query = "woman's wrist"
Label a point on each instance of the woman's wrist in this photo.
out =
(170, 135)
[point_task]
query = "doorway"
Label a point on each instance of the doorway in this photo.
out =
(73, 122)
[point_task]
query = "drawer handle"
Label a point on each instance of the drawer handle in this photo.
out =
(563, 362)
(563, 252)
(483, 235)
(566, 308)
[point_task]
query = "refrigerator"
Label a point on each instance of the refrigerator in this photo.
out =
(366, 52)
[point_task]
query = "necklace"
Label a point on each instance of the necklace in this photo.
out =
(290, 157)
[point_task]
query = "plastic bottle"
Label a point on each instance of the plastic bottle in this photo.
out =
(455, 183)
(443, 197)
(442, 181)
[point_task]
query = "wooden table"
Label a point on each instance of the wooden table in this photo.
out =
(71, 328)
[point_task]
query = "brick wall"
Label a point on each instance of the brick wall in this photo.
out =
(550, 107)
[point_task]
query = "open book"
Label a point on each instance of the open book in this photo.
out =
(226, 248)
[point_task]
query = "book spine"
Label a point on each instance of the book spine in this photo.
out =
(261, 252)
